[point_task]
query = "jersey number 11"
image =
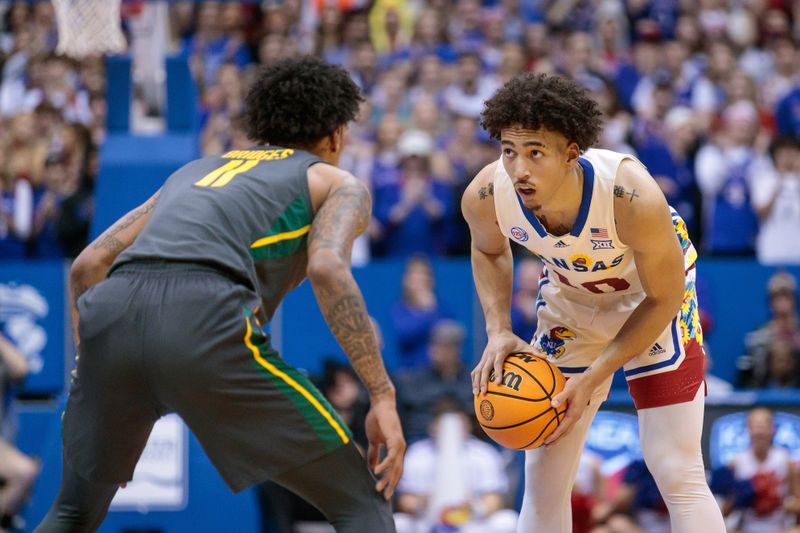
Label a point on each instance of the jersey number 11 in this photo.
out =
(221, 176)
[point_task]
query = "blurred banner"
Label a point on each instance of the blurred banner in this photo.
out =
(33, 316)
(161, 480)
(614, 436)
(729, 436)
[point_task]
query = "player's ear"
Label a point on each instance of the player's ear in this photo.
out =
(573, 153)
(336, 139)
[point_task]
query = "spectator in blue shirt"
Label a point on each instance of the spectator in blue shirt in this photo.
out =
(445, 376)
(523, 302)
(414, 210)
(787, 114)
(415, 315)
(210, 46)
(47, 200)
(670, 160)
(723, 168)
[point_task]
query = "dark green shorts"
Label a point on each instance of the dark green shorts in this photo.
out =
(158, 338)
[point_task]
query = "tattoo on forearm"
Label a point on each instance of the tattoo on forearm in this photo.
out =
(350, 324)
(620, 192)
(108, 239)
(343, 216)
(346, 316)
(78, 288)
(109, 242)
(485, 192)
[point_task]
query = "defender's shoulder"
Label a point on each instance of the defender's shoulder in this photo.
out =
(325, 179)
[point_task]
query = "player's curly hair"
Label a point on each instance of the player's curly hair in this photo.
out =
(545, 101)
(297, 102)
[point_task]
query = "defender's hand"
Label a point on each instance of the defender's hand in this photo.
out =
(497, 349)
(576, 395)
(383, 429)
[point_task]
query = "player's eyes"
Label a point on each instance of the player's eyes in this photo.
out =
(536, 153)
(508, 152)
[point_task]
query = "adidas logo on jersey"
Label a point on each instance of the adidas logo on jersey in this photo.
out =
(560, 244)
(656, 350)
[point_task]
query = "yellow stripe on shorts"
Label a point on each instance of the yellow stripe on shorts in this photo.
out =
(272, 369)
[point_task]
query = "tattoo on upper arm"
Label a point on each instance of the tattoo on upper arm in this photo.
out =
(108, 240)
(485, 192)
(344, 215)
(620, 192)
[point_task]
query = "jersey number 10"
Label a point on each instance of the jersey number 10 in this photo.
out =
(616, 284)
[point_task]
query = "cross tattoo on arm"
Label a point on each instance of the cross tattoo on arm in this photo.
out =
(620, 192)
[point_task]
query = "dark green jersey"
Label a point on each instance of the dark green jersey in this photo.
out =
(247, 212)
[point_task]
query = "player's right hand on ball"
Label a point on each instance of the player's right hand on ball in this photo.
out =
(576, 395)
(497, 349)
(383, 429)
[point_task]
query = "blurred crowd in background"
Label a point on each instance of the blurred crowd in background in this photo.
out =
(52, 117)
(706, 94)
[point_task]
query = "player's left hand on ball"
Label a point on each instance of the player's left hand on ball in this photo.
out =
(575, 397)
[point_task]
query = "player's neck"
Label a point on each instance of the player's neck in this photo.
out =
(558, 216)
(321, 149)
(761, 454)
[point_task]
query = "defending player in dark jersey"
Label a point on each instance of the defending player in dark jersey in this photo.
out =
(169, 304)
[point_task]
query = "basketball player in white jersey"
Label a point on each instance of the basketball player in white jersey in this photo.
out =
(617, 291)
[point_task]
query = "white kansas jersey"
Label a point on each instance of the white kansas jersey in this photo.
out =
(590, 284)
(590, 259)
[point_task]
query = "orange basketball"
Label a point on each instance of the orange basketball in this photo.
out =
(517, 413)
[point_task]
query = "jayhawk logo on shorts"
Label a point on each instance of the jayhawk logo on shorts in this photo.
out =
(552, 344)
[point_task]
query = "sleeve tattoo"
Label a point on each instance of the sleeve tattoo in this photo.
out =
(343, 216)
